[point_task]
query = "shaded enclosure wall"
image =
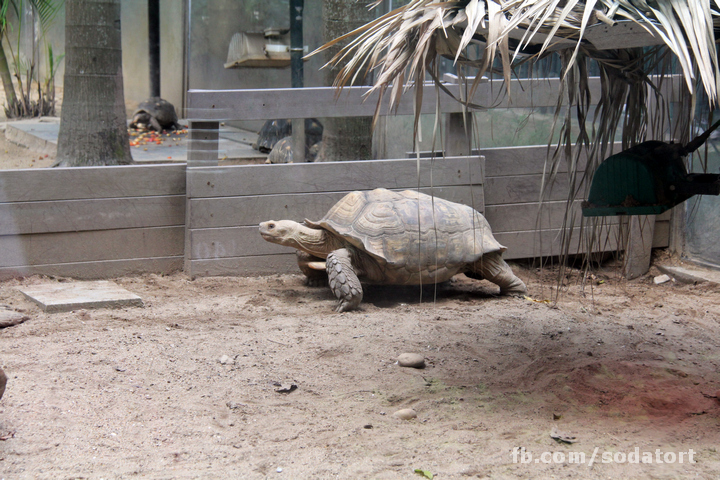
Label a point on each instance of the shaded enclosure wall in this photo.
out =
(703, 217)
(212, 25)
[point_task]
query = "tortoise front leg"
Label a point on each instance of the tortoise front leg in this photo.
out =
(313, 268)
(155, 124)
(493, 268)
(343, 280)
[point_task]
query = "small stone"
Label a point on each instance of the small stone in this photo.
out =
(412, 360)
(224, 360)
(661, 279)
(279, 470)
(405, 414)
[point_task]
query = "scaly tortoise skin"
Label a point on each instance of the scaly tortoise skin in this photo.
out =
(373, 237)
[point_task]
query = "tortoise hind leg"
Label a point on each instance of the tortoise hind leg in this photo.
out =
(493, 268)
(343, 280)
(314, 276)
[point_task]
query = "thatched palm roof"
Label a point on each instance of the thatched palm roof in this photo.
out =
(403, 44)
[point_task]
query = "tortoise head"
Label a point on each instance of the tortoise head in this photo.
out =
(283, 232)
(141, 118)
(296, 235)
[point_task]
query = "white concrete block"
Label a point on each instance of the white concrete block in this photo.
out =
(67, 296)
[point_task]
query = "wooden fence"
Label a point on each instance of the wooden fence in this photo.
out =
(99, 222)
(225, 204)
(92, 222)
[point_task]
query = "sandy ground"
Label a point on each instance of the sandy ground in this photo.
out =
(199, 383)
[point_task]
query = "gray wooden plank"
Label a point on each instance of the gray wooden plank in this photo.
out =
(520, 245)
(97, 269)
(263, 104)
(458, 134)
(253, 209)
(217, 243)
(208, 243)
(527, 160)
(532, 216)
(331, 176)
(245, 266)
(69, 247)
(27, 185)
(203, 143)
(92, 214)
(665, 216)
(522, 189)
(546, 243)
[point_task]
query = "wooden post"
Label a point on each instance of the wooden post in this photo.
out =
(458, 134)
(203, 140)
(298, 140)
(202, 151)
(638, 249)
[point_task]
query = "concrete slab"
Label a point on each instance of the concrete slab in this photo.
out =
(691, 273)
(39, 134)
(64, 297)
(234, 146)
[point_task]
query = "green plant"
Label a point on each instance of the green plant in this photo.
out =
(18, 93)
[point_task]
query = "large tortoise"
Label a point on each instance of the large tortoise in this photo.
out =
(373, 237)
(155, 113)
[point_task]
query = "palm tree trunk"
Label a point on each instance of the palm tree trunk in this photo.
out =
(93, 127)
(344, 138)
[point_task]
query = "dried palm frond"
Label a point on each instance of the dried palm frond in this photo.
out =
(401, 44)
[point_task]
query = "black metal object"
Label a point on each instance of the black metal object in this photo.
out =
(648, 179)
(296, 42)
(154, 51)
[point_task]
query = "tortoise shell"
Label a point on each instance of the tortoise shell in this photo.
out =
(414, 236)
(157, 108)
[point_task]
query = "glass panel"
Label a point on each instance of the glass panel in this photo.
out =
(703, 216)
(213, 23)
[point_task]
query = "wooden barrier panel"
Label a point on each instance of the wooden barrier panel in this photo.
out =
(263, 104)
(226, 204)
(92, 222)
(108, 221)
(513, 183)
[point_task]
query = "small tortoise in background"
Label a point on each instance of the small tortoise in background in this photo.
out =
(157, 114)
(373, 237)
(282, 152)
(273, 131)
